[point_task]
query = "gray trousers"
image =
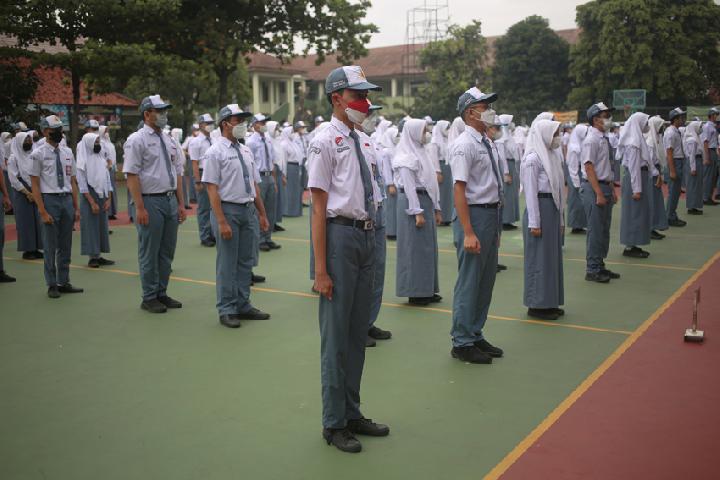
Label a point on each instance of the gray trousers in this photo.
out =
(344, 322)
(94, 234)
(598, 231)
(113, 201)
(281, 197)
(710, 173)
(675, 189)
(379, 265)
(156, 245)
(203, 215)
(269, 198)
(447, 203)
(476, 276)
(234, 260)
(694, 184)
(657, 206)
(294, 191)
(57, 238)
(2, 233)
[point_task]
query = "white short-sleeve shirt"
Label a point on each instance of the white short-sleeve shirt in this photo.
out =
(470, 162)
(223, 168)
(44, 167)
(144, 157)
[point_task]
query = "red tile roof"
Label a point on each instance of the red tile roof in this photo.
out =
(259, 61)
(54, 88)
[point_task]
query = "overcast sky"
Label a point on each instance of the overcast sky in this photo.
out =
(496, 16)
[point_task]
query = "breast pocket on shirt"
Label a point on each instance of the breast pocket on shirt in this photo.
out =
(48, 166)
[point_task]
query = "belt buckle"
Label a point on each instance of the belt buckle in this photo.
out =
(367, 225)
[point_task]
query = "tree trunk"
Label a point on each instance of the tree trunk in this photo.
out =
(75, 113)
(223, 75)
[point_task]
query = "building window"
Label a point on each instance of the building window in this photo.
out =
(265, 92)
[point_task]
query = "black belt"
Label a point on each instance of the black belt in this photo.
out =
(61, 194)
(169, 193)
(419, 191)
(349, 222)
(644, 169)
(266, 174)
(238, 204)
(293, 163)
(485, 205)
(604, 182)
(544, 195)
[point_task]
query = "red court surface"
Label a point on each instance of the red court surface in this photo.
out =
(654, 414)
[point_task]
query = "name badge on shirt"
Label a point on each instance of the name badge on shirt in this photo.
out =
(343, 148)
(68, 170)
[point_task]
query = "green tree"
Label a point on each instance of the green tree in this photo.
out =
(19, 84)
(666, 47)
(452, 66)
(531, 68)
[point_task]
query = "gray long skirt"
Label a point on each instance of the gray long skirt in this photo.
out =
(447, 203)
(511, 205)
(94, 236)
(28, 224)
(635, 219)
(294, 190)
(543, 275)
(658, 214)
(391, 215)
(113, 201)
(694, 189)
(281, 198)
(575, 211)
(417, 251)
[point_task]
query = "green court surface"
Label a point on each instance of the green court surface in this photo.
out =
(95, 388)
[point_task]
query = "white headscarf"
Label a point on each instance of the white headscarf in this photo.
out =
(576, 138)
(107, 145)
(176, 134)
(440, 138)
(387, 140)
(411, 154)
(21, 156)
(457, 127)
(539, 142)
(654, 141)
(511, 148)
(293, 151)
(6, 140)
(692, 132)
(93, 164)
(631, 135)
(382, 126)
(541, 116)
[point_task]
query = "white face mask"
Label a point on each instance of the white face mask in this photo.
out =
(396, 139)
(209, 128)
(488, 117)
(239, 131)
(607, 124)
(425, 138)
(161, 120)
(368, 125)
(555, 144)
(355, 116)
(262, 129)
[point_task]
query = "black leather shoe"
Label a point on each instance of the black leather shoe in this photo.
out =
(695, 211)
(370, 342)
(501, 267)
(559, 311)
(509, 226)
(28, 256)
(489, 349)
(635, 252)
(610, 273)
(5, 278)
(253, 314)
(53, 292)
(543, 313)
(420, 301)
(278, 228)
(68, 288)
(365, 426)
(38, 255)
(471, 354)
(264, 247)
(105, 261)
(677, 223)
(598, 277)
(257, 278)
(273, 245)
(230, 321)
(578, 231)
(94, 263)
(435, 298)
(655, 235)
(391, 237)
(112, 217)
(379, 333)
(169, 302)
(342, 439)
(207, 243)
(153, 306)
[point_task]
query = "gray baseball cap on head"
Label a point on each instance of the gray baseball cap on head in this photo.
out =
(259, 117)
(714, 111)
(351, 77)
(232, 110)
(319, 119)
(676, 112)
(155, 102)
(375, 108)
(92, 123)
(596, 110)
(299, 124)
(205, 118)
(472, 97)
(51, 121)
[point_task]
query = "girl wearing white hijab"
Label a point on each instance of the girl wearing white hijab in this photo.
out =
(653, 138)
(110, 153)
(291, 155)
(693, 147)
(576, 218)
(438, 151)
(457, 127)
(188, 185)
(27, 217)
(635, 221)
(541, 175)
(387, 145)
(93, 179)
(520, 136)
(509, 150)
(418, 211)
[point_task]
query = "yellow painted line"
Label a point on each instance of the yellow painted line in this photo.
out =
(555, 415)
(211, 283)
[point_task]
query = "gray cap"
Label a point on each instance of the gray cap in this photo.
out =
(299, 124)
(474, 96)
(205, 118)
(375, 108)
(596, 110)
(319, 119)
(259, 117)
(714, 111)
(428, 119)
(155, 102)
(351, 77)
(676, 112)
(51, 121)
(232, 110)
(92, 123)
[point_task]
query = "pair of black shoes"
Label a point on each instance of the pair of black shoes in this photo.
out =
(655, 235)
(500, 268)
(210, 242)
(160, 304)
(278, 228)
(256, 279)
(424, 301)
(578, 231)
(676, 222)
(233, 320)
(267, 246)
(99, 262)
(695, 211)
(480, 352)
(56, 290)
(545, 313)
(376, 333)
(5, 278)
(36, 255)
(635, 252)
(603, 276)
(344, 438)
